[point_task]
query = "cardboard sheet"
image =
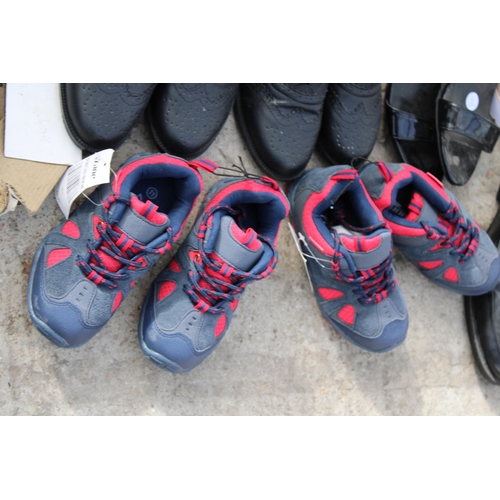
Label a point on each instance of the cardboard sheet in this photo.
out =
(30, 181)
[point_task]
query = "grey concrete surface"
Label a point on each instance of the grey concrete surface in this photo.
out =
(280, 357)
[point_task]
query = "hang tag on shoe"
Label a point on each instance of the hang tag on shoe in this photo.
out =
(91, 171)
(297, 244)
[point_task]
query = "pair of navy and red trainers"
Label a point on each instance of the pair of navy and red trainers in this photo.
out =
(346, 223)
(85, 267)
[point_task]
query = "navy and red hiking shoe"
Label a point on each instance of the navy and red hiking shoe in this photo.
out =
(431, 227)
(191, 303)
(87, 265)
(348, 249)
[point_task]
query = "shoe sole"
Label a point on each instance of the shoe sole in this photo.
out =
(475, 342)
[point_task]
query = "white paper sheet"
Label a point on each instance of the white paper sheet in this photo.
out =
(34, 126)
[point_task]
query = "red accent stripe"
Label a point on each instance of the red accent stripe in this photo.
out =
(204, 164)
(431, 264)
(385, 171)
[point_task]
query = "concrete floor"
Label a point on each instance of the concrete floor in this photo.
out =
(280, 356)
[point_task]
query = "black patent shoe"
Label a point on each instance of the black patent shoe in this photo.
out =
(411, 113)
(185, 118)
(465, 127)
(483, 322)
(101, 115)
(280, 123)
(351, 121)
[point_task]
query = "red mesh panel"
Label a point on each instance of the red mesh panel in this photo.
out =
(347, 314)
(57, 255)
(174, 266)
(330, 293)
(166, 289)
(451, 274)
(71, 229)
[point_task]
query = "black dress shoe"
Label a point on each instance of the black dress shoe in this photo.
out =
(483, 322)
(280, 123)
(185, 118)
(351, 121)
(101, 115)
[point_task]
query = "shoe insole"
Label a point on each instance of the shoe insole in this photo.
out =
(161, 192)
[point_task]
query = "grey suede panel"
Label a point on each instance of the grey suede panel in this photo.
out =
(409, 241)
(170, 311)
(100, 310)
(372, 324)
(206, 334)
(231, 250)
(139, 228)
(60, 278)
(82, 296)
(428, 213)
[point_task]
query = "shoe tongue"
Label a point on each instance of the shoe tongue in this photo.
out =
(238, 248)
(419, 209)
(366, 251)
(142, 222)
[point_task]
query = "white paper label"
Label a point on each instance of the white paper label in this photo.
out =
(91, 171)
(297, 244)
